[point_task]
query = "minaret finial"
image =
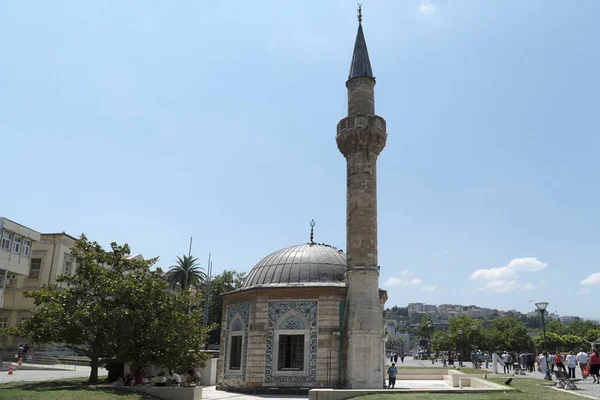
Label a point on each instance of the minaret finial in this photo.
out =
(359, 13)
(312, 231)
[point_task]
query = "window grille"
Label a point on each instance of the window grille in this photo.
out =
(291, 353)
(235, 356)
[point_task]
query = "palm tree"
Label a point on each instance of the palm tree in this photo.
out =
(187, 272)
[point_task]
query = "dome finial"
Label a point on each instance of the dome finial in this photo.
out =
(359, 13)
(312, 231)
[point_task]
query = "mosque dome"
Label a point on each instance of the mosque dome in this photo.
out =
(310, 264)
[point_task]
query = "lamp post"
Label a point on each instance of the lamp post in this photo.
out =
(541, 306)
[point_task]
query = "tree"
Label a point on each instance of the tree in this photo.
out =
(467, 333)
(557, 327)
(426, 327)
(440, 341)
(227, 281)
(187, 272)
(580, 328)
(114, 308)
(571, 342)
(512, 334)
(592, 335)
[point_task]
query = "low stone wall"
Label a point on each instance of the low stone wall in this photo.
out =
(170, 393)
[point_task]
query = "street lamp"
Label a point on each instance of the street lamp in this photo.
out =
(541, 306)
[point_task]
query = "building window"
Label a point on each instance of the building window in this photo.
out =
(235, 355)
(34, 268)
(26, 247)
(67, 267)
(3, 322)
(6, 240)
(290, 355)
(16, 244)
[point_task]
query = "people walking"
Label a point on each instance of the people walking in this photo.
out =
(543, 363)
(571, 361)
(558, 360)
(392, 371)
(582, 359)
(486, 357)
(395, 358)
(506, 361)
(595, 365)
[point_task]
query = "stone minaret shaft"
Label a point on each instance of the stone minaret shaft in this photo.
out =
(360, 138)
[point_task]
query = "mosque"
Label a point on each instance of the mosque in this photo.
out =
(310, 316)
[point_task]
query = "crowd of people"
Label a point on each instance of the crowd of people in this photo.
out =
(547, 363)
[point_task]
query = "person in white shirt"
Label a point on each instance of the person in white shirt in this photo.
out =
(571, 361)
(506, 360)
(582, 359)
(176, 379)
(543, 363)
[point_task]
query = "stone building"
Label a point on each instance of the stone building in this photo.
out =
(307, 315)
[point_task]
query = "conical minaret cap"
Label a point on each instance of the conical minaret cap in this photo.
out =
(361, 65)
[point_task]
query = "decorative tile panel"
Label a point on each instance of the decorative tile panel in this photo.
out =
(291, 323)
(277, 309)
(233, 324)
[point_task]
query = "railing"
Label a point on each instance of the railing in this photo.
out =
(43, 361)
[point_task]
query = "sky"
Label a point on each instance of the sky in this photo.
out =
(150, 122)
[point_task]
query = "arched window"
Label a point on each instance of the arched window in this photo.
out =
(291, 345)
(235, 344)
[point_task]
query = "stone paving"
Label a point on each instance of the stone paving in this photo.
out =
(47, 375)
(586, 387)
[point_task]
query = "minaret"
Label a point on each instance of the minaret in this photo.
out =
(360, 138)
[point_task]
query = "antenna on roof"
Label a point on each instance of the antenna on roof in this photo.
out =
(312, 231)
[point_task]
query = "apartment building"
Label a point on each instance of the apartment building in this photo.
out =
(50, 256)
(16, 242)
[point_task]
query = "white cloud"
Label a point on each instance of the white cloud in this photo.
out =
(395, 282)
(530, 264)
(505, 279)
(431, 288)
(528, 286)
(592, 280)
(583, 292)
(426, 8)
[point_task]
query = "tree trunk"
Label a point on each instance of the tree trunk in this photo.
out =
(94, 370)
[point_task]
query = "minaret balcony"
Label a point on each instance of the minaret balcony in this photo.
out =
(355, 122)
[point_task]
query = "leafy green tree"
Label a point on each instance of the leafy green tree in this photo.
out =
(557, 327)
(571, 342)
(186, 272)
(440, 341)
(467, 334)
(592, 335)
(114, 308)
(512, 335)
(227, 281)
(426, 327)
(580, 328)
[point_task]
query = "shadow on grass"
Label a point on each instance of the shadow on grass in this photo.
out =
(69, 385)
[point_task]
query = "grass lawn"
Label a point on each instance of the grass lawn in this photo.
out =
(461, 369)
(525, 389)
(64, 390)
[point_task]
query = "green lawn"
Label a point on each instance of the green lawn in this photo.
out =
(525, 389)
(64, 390)
(461, 369)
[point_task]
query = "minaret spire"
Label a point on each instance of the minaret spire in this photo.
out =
(361, 65)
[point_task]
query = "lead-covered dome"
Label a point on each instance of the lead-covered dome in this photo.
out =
(308, 264)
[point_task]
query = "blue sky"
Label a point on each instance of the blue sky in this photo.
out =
(148, 122)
